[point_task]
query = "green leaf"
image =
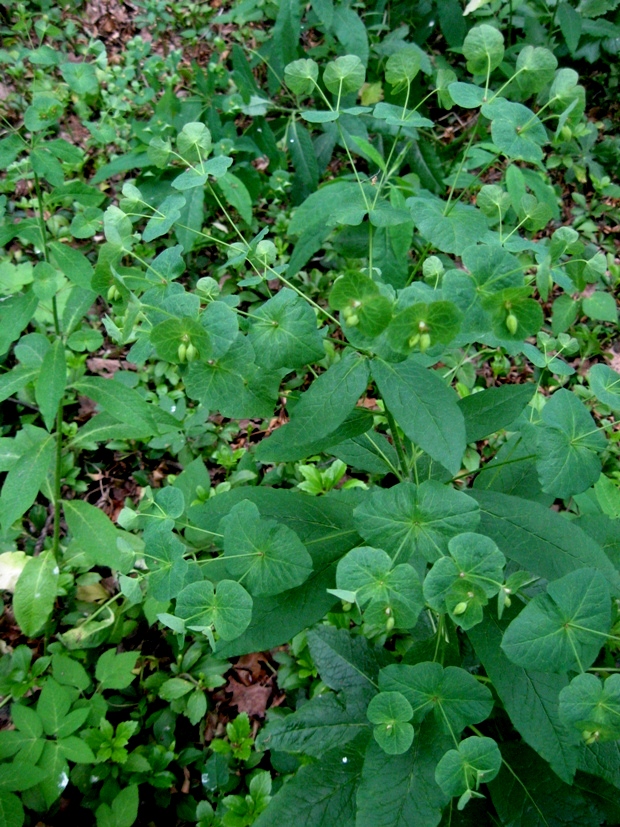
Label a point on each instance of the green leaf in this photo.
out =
(118, 229)
(322, 792)
(564, 628)
(120, 401)
(475, 761)
(321, 724)
(440, 320)
(304, 161)
(75, 749)
(69, 672)
(343, 661)
(301, 75)
(194, 141)
(570, 25)
(164, 554)
(50, 386)
(15, 313)
(11, 810)
(408, 520)
(402, 66)
(605, 385)
(467, 95)
(324, 525)
(450, 231)
(16, 379)
(19, 776)
(124, 809)
(424, 407)
(167, 214)
(169, 335)
(400, 790)
(344, 74)
(267, 555)
(71, 722)
(601, 307)
(94, 533)
(228, 607)
(384, 591)
(72, 263)
(456, 698)
(27, 721)
(81, 78)
(35, 592)
(284, 333)
(175, 688)
(391, 712)
(516, 130)
(236, 195)
(529, 697)
(538, 539)
(491, 410)
(568, 445)
(483, 48)
(115, 669)
(361, 303)
(592, 706)
(53, 705)
(462, 583)
(536, 67)
(44, 111)
(320, 410)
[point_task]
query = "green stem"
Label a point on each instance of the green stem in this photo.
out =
(58, 481)
(397, 444)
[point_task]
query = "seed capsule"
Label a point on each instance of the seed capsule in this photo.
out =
(389, 625)
(512, 323)
(460, 608)
(353, 320)
(425, 342)
(182, 352)
(191, 354)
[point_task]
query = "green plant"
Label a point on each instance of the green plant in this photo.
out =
(463, 633)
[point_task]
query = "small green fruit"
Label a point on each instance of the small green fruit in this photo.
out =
(191, 354)
(182, 352)
(425, 342)
(512, 323)
(460, 609)
(389, 625)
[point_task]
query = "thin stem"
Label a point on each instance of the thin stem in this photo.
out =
(58, 480)
(397, 444)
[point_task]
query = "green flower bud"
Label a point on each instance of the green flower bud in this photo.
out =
(191, 354)
(390, 623)
(425, 342)
(460, 609)
(182, 352)
(353, 320)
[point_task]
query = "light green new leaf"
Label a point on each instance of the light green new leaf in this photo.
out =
(320, 410)
(568, 446)
(228, 609)
(35, 593)
(22, 483)
(114, 669)
(384, 590)
(284, 332)
(424, 407)
(391, 712)
(361, 303)
(592, 706)
(605, 385)
(268, 555)
(564, 628)
(475, 761)
(484, 49)
(601, 307)
(456, 698)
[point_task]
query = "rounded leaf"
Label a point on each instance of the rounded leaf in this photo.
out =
(592, 706)
(345, 74)
(484, 49)
(301, 76)
(227, 608)
(475, 761)
(391, 712)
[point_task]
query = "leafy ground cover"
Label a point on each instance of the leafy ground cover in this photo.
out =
(308, 395)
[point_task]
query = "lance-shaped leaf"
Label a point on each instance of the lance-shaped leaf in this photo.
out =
(462, 583)
(408, 520)
(568, 445)
(475, 761)
(383, 590)
(424, 407)
(564, 628)
(284, 332)
(228, 608)
(391, 712)
(22, 483)
(321, 409)
(456, 698)
(50, 385)
(592, 706)
(35, 593)
(268, 555)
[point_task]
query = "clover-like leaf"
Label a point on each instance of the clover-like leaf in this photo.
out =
(462, 583)
(516, 130)
(535, 68)
(391, 712)
(164, 557)
(592, 706)
(455, 697)
(402, 66)
(194, 142)
(343, 75)
(475, 761)
(605, 385)
(227, 608)
(361, 304)
(384, 590)
(301, 76)
(564, 628)
(484, 49)
(169, 335)
(268, 555)
(168, 212)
